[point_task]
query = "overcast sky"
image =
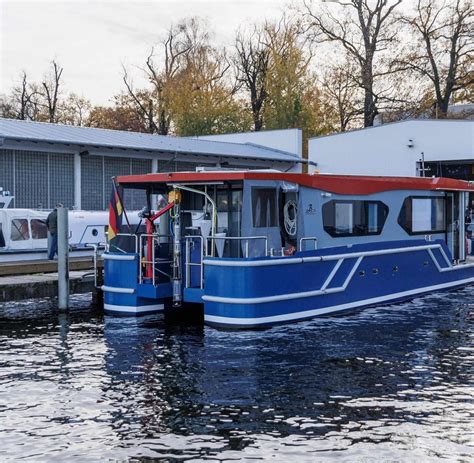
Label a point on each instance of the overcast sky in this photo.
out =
(91, 39)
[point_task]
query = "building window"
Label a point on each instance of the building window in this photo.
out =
(39, 231)
(423, 214)
(354, 218)
(20, 230)
(264, 207)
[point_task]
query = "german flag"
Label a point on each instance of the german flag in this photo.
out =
(115, 213)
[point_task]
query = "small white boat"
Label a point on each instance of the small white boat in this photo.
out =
(24, 235)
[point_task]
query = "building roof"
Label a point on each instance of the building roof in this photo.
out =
(17, 130)
(391, 124)
(338, 184)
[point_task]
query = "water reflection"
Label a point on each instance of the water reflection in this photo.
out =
(389, 382)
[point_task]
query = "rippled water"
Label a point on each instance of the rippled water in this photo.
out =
(390, 384)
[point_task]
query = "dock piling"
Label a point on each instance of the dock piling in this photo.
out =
(63, 258)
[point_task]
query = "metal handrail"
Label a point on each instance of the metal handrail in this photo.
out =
(156, 239)
(243, 238)
(188, 263)
(309, 238)
(95, 256)
(122, 234)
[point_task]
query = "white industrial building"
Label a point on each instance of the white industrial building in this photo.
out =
(406, 148)
(42, 164)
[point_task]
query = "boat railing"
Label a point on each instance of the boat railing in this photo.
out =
(245, 239)
(133, 235)
(189, 241)
(95, 258)
(206, 250)
(145, 260)
(306, 239)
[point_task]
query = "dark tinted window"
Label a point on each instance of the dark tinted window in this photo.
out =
(19, 231)
(39, 231)
(354, 218)
(423, 214)
(264, 207)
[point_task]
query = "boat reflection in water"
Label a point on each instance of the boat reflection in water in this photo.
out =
(342, 384)
(363, 386)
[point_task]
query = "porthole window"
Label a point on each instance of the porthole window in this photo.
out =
(354, 218)
(422, 215)
(94, 232)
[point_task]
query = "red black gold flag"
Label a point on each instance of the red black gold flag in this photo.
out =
(115, 213)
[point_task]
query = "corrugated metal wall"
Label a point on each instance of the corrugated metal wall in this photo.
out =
(40, 180)
(96, 177)
(37, 179)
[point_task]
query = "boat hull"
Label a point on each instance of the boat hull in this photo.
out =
(123, 295)
(262, 292)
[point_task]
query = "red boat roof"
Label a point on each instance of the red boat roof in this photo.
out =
(339, 184)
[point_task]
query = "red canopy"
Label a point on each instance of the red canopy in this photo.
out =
(339, 184)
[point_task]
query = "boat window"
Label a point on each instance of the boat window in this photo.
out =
(20, 230)
(264, 207)
(39, 231)
(423, 214)
(354, 218)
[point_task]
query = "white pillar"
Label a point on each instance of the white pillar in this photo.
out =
(77, 181)
(154, 165)
(63, 258)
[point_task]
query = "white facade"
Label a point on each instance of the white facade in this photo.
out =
(395, 149)
(287, 140)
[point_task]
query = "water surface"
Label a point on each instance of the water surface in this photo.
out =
(392, 383)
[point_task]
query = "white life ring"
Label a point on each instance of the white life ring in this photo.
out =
(290, 217)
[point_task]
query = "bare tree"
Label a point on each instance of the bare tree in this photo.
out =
(23, 94)
(445, 54)
(74, 110)
(342, 93)
(50, 87)
(22, 102)
(188, 72)
(251, 62)
(362, 29)
(144, 104)
(153, 105)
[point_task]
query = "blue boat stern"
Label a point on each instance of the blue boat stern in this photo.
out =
(123, 294)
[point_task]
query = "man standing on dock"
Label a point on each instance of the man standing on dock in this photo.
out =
(52, 224)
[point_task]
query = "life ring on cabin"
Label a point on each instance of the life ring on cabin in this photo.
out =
(290, 217)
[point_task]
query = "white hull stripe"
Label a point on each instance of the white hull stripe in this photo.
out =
(302, 260)
(326, 310)
(134, 309)
(106, 256)
(114, 289)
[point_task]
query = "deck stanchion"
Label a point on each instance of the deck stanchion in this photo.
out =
(63, 258)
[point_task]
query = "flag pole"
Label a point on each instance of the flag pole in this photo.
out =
(121, 203)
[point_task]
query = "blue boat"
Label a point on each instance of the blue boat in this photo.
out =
(250, 249)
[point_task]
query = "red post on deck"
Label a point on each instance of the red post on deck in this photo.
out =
(149, 241)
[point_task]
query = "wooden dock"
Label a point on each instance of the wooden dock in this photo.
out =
(28, 267)
(39, 278)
